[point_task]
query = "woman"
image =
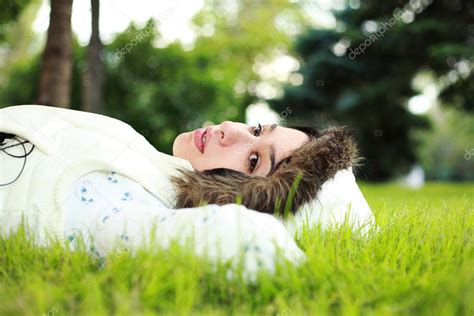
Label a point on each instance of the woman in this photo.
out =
(275, 170)
(260, 164)
(93, 177)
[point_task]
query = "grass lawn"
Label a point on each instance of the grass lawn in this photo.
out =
(421, 262)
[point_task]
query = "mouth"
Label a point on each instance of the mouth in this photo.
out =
(199, 139)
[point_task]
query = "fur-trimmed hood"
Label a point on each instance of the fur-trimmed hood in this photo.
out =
(306, 169)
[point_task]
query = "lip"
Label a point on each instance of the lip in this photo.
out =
(198, 139)
(208, 137)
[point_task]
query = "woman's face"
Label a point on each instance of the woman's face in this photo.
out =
(249, 149)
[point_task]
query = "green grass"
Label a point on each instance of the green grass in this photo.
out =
(420, 262)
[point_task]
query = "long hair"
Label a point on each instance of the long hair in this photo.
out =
(294, 181)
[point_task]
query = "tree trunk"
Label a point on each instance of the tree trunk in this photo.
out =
(93, 77)
(56, 67)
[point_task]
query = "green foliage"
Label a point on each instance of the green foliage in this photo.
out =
(17, 91)
(447, 153)
(161, 91)
(153, 89)
(369, 90)
(21, 87)
(10, 11)
(418, 263)
(244, 31)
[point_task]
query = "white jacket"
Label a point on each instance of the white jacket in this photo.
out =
(104, 143)
(99, 143)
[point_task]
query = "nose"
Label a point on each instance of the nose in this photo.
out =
(231, 133)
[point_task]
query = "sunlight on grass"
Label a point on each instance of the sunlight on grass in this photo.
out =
(419, 262)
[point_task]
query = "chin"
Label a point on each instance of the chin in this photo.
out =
(179, 146)
(176, 146)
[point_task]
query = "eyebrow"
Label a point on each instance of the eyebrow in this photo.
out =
(272, 159)
(272, 151)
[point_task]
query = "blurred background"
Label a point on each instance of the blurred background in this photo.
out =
(398, 73)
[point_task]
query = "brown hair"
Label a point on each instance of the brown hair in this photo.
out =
(294, 181)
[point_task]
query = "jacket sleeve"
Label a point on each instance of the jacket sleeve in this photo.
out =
(115, 214)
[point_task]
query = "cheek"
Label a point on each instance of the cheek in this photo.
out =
(222, 159)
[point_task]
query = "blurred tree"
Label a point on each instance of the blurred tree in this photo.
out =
(55, 77)
(94, 74)
(234, 34)
(158, 91)
(360, 73)
(17, 90)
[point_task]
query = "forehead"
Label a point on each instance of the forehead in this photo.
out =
(285, 140)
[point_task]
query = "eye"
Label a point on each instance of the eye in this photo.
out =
(257, 130)
(253, 161)
(254, 157)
